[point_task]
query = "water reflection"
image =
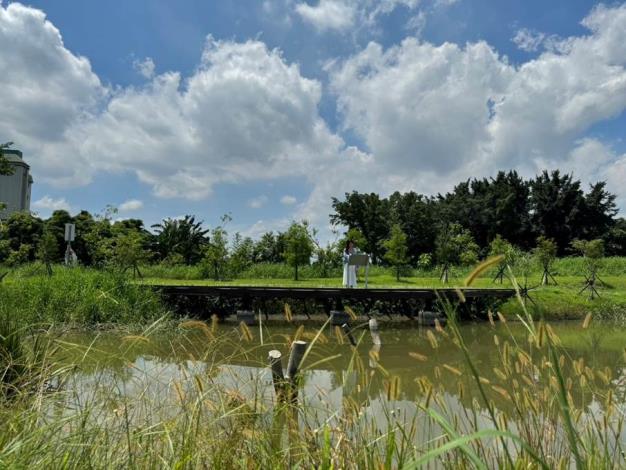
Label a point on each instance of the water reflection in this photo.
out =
(382, 383)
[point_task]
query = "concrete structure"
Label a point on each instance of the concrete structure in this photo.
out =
(15, 189)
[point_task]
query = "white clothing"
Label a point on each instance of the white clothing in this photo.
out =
(349, 272)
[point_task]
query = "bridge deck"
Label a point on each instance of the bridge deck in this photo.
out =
(226, 300)
(267, 292)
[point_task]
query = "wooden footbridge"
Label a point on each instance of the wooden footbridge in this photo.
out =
(226, 300)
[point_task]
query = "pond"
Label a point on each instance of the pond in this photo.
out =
(152, 375)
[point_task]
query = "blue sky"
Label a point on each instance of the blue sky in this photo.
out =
(267, 109)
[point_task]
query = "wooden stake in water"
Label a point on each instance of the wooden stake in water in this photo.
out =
(373, 324)
(276, 365)
(348, 332)
(298, 348)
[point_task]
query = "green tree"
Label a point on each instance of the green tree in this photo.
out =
(545, 252)
(616, 238)
(396, 249)
(55, 224)
(215, 261)
(557, 208)
(84, 223)
(269, 248)
(185, 237)
(128, 251)
(48, 250)
(592, 252)
(454, 245)
(298, 246)
(242, 254)
(598, 216)
(369, 214)
(500, 247)
(23, 229)
(418, 216)
(488, 207)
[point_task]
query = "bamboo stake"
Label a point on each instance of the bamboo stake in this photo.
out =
(276, 365)
(373, 324)
(298, 349)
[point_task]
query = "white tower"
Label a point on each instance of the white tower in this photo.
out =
(15, 189)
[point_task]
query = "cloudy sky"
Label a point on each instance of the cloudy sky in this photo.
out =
(267, 109)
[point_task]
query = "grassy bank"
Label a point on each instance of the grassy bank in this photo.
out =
(561, 302)
(90, 296)
(78, 296)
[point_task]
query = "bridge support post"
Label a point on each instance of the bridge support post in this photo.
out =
(246, 316)
(338, 317)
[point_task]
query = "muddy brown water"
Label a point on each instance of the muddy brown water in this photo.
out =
(113, 367)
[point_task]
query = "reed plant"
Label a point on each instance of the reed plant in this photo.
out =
(211, 405)
(76, 296)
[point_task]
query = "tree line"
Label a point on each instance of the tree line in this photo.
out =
(551, 205)
(404, 229)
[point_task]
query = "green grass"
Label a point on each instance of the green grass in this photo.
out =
(201, 422)
(116, 421)
(89, 296)
(552, 302)
(77, 296)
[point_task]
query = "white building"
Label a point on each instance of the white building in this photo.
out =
(15, 188)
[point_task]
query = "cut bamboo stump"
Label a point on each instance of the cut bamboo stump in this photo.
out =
(276, 365)
(373, 325)
(298, 348)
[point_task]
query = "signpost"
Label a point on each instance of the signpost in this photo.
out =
(70, 236)
(361, 259)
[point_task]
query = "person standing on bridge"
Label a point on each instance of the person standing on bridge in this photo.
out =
(349, 271)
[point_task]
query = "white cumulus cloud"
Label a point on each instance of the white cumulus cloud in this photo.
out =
(424, 115)
(344, 15)
(288, 200)
(434, 114)
(145, 67)
(131, 205)
(257, 202)
(49, 204)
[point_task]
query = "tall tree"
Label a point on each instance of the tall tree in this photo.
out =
(216, 254)
(396, 249)
(369, 214)
(298, 246)
(557, 208)
(491, 207)
(184, 237)
(616, 239)
(417, 216)
(454, 245)
(55, 224)
(599, 212)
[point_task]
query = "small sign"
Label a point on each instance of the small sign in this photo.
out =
(359, 259)
(70, 232)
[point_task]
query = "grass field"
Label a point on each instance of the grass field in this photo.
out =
(551, 302)
(91, 296)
